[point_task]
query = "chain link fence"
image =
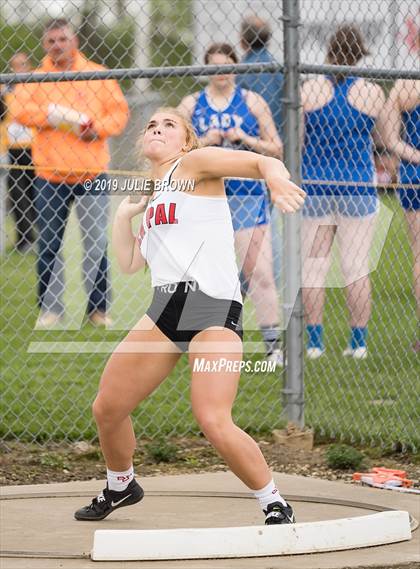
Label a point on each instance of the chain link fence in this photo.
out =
(347, 269)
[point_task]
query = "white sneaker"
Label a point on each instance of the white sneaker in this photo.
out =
(276, 356)
(358, 353)
(314, 353)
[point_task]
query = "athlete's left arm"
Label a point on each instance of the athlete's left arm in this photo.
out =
(211, 163)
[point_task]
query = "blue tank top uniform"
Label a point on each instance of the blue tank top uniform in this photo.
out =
(248, 199)
(410, 172)
(338, 147)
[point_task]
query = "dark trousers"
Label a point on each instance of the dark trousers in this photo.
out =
(53, 202)
(22, 196)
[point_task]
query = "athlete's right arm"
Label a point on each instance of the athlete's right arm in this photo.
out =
(124, 243)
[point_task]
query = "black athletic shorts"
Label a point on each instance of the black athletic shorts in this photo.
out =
(181, 310)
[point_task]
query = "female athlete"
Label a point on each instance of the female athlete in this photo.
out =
(187, 241)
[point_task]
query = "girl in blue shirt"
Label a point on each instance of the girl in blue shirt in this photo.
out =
(338, 170)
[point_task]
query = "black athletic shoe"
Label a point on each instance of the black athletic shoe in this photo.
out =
(108, 501)
(276, 513)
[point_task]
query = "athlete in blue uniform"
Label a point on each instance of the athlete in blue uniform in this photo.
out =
(338, 171)
(248, 199)
(228, 116)
(402, 109)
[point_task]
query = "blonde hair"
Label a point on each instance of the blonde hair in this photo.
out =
(191, 141)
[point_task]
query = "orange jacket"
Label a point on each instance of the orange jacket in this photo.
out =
(62, 156)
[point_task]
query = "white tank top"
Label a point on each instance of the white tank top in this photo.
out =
(186, 237)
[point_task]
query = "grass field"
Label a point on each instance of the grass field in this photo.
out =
(48, 395)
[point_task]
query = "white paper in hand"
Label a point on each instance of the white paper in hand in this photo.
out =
(67, 119)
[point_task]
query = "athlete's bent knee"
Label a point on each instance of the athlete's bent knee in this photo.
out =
(213, 427)
(98, 410)
(106, 411)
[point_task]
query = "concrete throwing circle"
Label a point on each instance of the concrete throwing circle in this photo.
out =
(42, 525)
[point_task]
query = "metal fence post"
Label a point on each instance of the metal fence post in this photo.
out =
(294, 388)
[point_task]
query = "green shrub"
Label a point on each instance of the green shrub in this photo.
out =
(53, 460)
(161, 450)
(344, 457)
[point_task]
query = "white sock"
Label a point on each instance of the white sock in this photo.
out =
(118, 481)
(269, 494)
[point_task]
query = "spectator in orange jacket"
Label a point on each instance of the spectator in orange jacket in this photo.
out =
(16, 140)
(73, 121)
